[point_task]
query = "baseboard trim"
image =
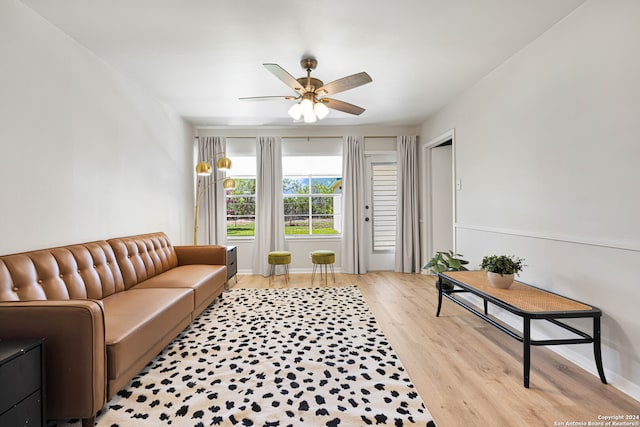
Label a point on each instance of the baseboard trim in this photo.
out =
(305, 270)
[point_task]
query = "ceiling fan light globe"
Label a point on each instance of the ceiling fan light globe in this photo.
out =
(306, 107)
(295, 112)
(321, 110)
(310, 118)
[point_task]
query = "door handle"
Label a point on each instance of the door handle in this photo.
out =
(367, 219)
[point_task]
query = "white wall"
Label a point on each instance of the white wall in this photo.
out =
(86, 154)
(301, 246)
(547, 148)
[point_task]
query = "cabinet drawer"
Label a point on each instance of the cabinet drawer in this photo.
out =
(232, 261)
(26, 413)
(19, 377)
(232, 254)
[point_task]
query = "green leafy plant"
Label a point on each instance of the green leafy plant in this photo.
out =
(502, 264)
(446, 261)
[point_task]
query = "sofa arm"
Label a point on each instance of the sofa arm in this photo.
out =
(74, 334)
(207, 254)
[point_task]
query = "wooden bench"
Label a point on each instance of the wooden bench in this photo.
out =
(527, 302)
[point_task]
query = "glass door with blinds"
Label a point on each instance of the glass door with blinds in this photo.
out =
(381, 200)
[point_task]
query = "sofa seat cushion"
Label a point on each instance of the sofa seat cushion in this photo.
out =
(205, 280)
(137, 319)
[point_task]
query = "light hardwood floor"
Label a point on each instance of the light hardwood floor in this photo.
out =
(468, 372)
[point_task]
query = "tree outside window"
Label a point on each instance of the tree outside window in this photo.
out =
(312, 205)
(241, 208)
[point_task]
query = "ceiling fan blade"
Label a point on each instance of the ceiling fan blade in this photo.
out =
(285, 77)
(342, 106)
(344, 83)
(268, 98)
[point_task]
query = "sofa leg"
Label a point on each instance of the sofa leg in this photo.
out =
(89, 422)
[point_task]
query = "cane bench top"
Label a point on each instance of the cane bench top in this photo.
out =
(519, 295)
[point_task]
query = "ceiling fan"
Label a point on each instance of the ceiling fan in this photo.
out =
(311, 92)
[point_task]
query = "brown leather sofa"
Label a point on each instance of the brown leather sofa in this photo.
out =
(106, 309)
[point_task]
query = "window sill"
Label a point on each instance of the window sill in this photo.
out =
(313, 237)
(294, 237)
(241, 238)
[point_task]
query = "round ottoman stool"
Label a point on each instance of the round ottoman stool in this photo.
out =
(323, 259)
(282, 258)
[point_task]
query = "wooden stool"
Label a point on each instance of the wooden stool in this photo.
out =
(324, 259)
(282, 258)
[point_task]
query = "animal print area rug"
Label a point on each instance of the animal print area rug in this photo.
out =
(274, 357)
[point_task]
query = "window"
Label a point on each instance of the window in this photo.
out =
(241, 207)
(310, 204)
(312, 187)
(241, 201)
(312, 190)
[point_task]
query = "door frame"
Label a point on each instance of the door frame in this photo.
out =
(426, 221)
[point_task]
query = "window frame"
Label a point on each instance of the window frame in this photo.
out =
(255, 214)
(310, 195)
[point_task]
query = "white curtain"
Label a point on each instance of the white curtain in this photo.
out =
(213, 210)
(269, 231)
(408, 226)
(353, 231)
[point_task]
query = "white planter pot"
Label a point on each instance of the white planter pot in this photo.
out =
(500, 281)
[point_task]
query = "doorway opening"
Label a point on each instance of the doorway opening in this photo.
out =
(439, 195)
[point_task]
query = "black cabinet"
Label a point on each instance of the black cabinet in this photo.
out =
(22, 383)
(232, 263)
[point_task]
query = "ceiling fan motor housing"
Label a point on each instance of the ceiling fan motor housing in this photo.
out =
(313, 83)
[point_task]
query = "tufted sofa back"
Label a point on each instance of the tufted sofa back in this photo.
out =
(83, 271)
(143, 256)
(92, 270)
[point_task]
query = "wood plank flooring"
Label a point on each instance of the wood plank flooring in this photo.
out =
(468, 372)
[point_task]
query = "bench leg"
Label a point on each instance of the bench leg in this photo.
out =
(597, 351)
(439, 286)
(526, 350)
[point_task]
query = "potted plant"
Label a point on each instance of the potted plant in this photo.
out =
(501, 269)
(446, 261)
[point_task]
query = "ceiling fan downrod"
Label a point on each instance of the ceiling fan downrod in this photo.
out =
(309, 64)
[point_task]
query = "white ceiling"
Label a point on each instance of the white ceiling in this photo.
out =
(200, 56)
